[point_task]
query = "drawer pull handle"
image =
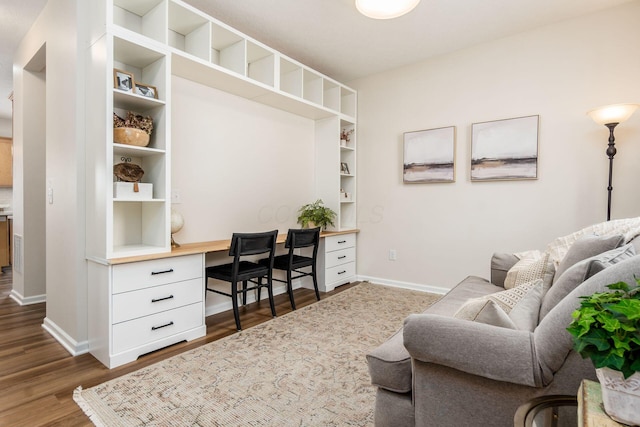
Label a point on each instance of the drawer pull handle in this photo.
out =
(341, 257)
(155, 328)
(342, 272)
(162, 299)
(153, 273)
(342, 241)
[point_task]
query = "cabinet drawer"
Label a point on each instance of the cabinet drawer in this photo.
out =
(341, 241)
(342, 256)
(138, 332)
(144, 274)
(344, 272)
(143, 302)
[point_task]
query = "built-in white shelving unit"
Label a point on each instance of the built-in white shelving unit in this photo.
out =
(153, 40)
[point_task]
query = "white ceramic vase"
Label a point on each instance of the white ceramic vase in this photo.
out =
(620, 396)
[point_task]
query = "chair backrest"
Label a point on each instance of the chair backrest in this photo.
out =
(303, 238)
(243, 244)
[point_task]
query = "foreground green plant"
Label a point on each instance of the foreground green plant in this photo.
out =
(606, 328)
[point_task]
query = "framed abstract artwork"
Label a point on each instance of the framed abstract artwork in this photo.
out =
(505, 149)
(429, 156)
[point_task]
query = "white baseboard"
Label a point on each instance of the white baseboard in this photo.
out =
(72, 346)
(22, 300)
(405, 285)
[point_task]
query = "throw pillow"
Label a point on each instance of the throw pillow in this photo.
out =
(580, 272)
(586, 247)
(629, 227)
(515, 308)
(533, 265)
(484, 310)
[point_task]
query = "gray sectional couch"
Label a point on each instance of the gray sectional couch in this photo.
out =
(443, 370)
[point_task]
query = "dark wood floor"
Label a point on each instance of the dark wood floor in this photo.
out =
(38, 376)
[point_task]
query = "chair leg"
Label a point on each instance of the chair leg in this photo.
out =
(315, 282)
(270, 290)
(259, 289)
(290, 290)
(244, 292)
(234, 300)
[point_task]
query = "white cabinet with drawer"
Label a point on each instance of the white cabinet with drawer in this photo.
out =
(138, 307)
(336, 261)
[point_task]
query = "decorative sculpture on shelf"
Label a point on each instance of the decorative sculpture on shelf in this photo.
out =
(128, 172)
(177, 222)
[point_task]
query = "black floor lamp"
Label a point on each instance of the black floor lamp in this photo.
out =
(611, 116)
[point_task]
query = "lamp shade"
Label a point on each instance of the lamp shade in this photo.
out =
(616, 113)
(385, 9)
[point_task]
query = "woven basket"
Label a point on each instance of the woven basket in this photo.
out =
(130, 136)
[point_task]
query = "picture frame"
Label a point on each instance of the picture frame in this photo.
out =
(505, 149)
(429, 156)
(123, 80)
(146, 90)
(344, 168)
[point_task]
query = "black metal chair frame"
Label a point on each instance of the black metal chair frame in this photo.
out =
(243, 245)
(292, 263)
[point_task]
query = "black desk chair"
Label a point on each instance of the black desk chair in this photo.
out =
(292, 263)
(242, 245)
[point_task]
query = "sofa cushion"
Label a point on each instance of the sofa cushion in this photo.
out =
(586, 247)
(551, 339)
(533, 265)
(390, 365)
(515, 308)
(580, 272)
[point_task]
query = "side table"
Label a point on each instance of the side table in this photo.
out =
(590, 410)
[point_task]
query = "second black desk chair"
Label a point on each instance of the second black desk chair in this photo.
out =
(243, 245)
(292, 263)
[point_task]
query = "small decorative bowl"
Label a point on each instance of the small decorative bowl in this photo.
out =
(130, 136)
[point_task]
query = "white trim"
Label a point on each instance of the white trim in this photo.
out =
(20, 299)
(72, 346)
(405, 285)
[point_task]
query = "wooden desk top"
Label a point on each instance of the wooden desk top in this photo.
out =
(204, 247)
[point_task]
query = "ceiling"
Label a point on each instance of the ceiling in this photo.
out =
(333, 38)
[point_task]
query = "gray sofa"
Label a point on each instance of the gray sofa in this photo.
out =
(440, 370)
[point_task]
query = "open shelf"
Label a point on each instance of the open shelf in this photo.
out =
(260, 64)
(145, 17)
(189, 31)
(290, 78)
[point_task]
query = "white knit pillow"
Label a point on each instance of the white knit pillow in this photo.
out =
(515, 308)
(533, 265)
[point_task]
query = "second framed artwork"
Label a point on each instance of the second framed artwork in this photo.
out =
(429, 155)
(505, 149)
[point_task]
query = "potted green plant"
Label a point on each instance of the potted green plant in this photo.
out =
(606, 329)
(316, 215)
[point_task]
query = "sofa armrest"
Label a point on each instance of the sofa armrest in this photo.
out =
(501, 263)
(488, 351)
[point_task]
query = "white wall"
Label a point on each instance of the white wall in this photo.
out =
(444, 232)
(57, 228)
(239, 166)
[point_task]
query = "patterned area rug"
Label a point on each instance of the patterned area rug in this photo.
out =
(305, 368)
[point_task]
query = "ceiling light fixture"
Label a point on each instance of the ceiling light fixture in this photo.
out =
(385, 9)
